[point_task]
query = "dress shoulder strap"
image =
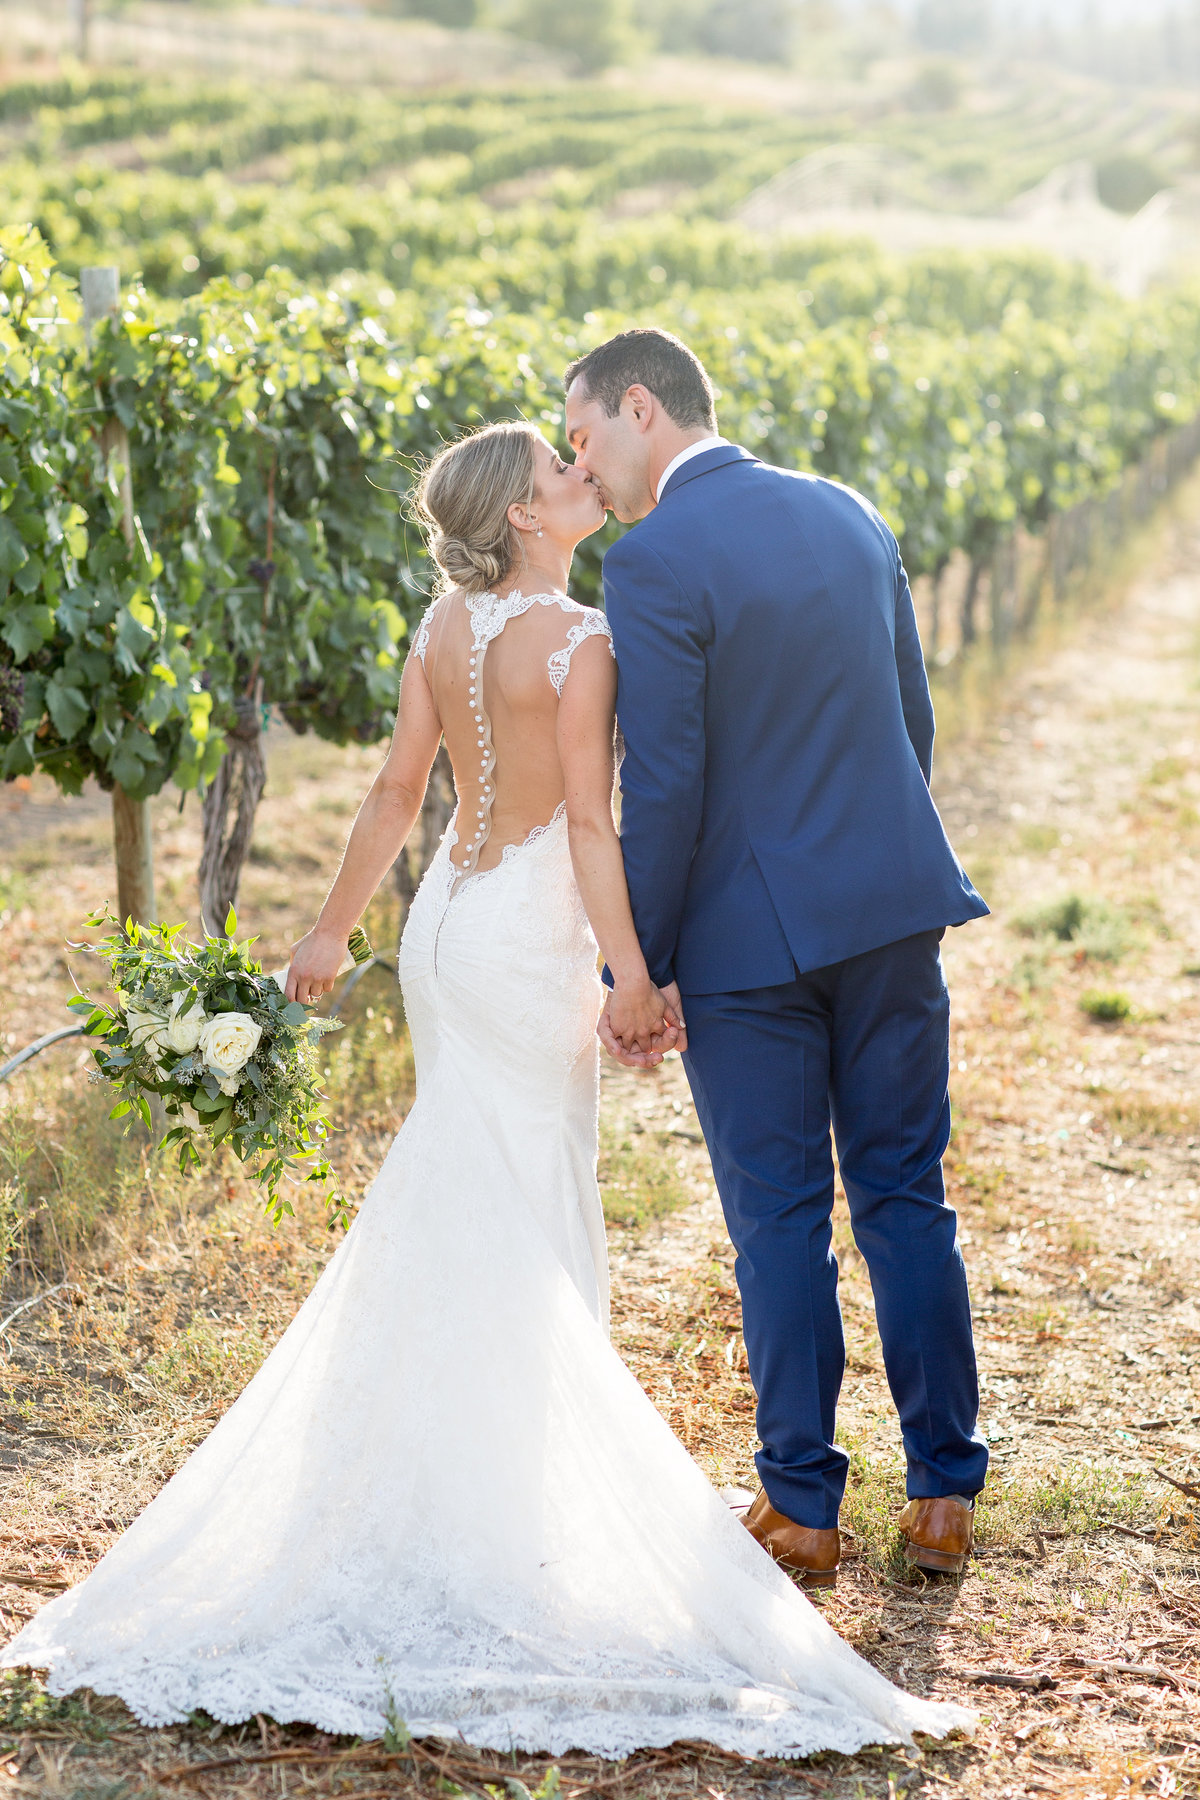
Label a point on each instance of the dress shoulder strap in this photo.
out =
(591, 623)
(421, 642)
(490, 613)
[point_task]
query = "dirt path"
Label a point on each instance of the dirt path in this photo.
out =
(1075, 1167)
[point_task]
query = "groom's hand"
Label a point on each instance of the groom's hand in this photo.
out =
(674, 1014)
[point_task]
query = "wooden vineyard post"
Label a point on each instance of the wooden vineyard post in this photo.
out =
(133, 843)
(81, 16)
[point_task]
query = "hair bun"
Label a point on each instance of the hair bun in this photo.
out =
(466, 565)
(463, 499)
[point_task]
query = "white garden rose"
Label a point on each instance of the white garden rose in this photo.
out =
(147, 1029)
(228, 1042)
(184, 1028)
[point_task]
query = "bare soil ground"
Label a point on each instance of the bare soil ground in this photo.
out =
(1075, 1166)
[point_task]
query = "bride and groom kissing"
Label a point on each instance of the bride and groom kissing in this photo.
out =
(443, 1493)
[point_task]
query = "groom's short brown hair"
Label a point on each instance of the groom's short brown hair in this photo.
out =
(652, 359)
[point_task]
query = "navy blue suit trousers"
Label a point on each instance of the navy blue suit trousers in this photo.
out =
(862, 1045)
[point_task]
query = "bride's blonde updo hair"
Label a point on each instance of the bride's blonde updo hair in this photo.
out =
(463, 498)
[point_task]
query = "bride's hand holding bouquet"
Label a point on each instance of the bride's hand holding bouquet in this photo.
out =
(231, 1058)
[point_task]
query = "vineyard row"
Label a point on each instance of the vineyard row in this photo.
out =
(273, 433)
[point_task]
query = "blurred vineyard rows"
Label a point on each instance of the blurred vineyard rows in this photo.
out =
(570, 196)
(322, 286)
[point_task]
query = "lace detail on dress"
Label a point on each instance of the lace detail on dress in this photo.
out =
(593, 624)
(457, 878)
(539, 831)
(489, 614)
(421, 641)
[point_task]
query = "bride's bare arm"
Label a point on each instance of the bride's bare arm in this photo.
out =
(586, 713)
(384, 820)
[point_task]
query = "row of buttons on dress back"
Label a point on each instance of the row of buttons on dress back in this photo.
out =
(477, 700)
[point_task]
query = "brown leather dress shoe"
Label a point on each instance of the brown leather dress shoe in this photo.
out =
(939, 1533)
(811, 1554)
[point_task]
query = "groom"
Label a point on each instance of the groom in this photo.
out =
(791, 882)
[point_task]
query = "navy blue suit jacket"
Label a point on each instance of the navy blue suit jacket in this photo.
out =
(775, 805)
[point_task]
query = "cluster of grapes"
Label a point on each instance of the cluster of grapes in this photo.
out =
(12, 695)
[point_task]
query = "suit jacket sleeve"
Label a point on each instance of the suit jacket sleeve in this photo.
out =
(661, 676)
(910, 668)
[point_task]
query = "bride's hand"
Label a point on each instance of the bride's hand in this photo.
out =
(640, 1023)
(314, 967)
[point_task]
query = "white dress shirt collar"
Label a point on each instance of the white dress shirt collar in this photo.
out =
(676, 462)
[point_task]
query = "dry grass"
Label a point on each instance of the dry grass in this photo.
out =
(1075, 1167)
(643, 1170)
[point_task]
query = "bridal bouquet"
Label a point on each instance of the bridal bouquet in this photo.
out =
(232, 1059)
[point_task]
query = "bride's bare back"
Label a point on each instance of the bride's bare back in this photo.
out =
(522, 689)
(496, 666)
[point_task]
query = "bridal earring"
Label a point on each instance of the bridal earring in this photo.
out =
(539, 531)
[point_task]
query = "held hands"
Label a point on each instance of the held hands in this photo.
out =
(316, 962)
(641, 1023)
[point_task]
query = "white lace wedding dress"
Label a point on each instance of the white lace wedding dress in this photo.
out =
(444, 1495)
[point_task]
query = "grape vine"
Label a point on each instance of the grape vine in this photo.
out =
(277, 413)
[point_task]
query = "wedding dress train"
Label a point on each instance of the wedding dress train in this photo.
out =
(444, 1496)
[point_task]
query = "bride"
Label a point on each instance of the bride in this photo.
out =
(444, 1496)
